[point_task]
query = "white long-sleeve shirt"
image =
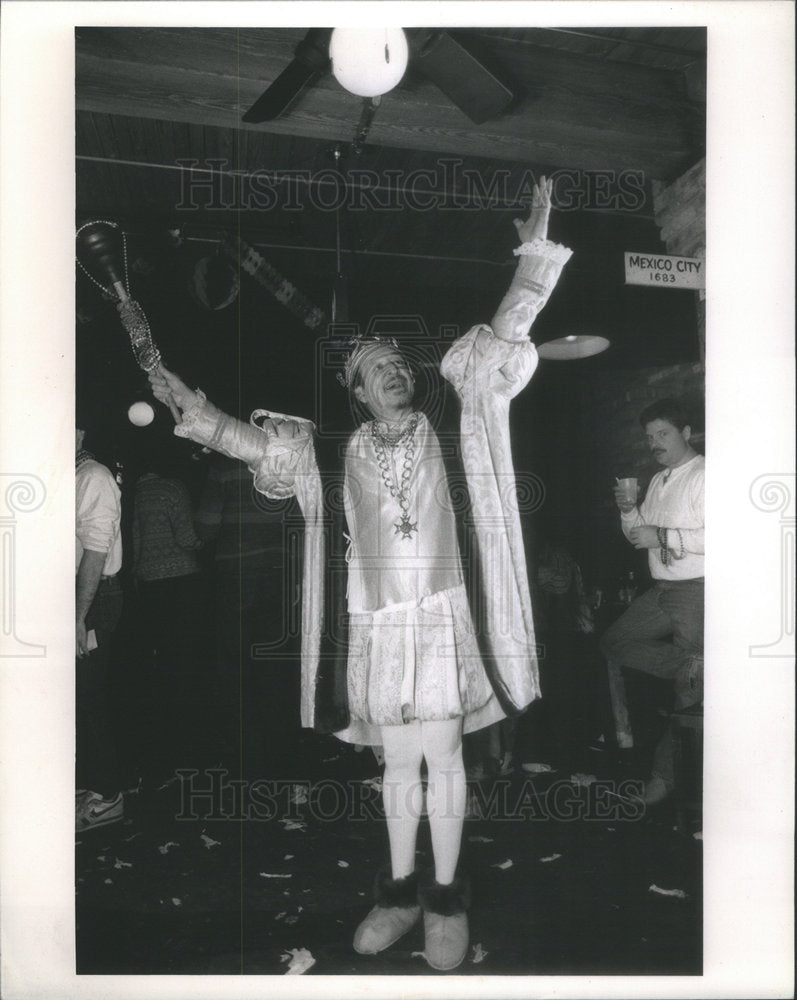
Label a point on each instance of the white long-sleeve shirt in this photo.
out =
(98, 515)
(675, 500)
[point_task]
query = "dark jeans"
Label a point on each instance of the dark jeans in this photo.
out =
(660, 634)
(96, 764)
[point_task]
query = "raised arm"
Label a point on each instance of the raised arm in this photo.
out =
(539, 266)
(272, 449)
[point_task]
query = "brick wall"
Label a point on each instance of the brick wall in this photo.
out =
(680, 212)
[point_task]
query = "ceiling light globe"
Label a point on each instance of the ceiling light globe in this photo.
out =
(368, 62)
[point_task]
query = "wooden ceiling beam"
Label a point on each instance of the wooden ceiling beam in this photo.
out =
(574, 111)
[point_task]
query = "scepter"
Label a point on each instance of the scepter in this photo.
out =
(98, 244)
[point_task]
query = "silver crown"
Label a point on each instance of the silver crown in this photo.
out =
(361, 347)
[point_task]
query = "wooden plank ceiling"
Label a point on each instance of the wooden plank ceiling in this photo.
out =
(618, 101)
(613, 108)
(610, 110)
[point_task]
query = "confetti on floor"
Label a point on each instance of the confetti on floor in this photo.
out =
(583, 780)
(164, 848)
(275, 875)
(209, 841)
(176, 901)
(534, 768)
(293, 824)
(300, 961)
(343, 864)
(479, 954)
(504, 864)
(677, 893)
(698, 835)
(551, 857)
(122, 864)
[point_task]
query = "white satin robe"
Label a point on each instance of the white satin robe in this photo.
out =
(413, 652)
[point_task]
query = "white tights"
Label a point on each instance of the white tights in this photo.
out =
(440, 744)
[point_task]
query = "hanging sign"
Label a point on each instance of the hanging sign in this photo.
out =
(664, 271)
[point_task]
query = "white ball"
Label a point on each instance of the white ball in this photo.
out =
(141, 414)
(368, 61)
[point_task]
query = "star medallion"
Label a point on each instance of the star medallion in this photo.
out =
(405, 527)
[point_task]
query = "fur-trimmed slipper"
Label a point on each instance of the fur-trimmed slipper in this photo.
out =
(445, 923)
(395, 913)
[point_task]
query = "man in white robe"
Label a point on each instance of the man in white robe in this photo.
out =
(425, 661)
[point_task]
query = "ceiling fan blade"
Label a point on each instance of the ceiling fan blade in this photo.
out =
(310, 61)
(459, 70)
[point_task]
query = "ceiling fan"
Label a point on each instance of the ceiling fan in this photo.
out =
(454, 64)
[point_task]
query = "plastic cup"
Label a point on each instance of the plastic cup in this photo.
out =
(630, 488)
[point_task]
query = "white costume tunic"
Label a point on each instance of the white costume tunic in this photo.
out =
(413, 651)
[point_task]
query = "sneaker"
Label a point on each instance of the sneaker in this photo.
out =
(94, 810)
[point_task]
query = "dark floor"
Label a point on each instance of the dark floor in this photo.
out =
(562, 875)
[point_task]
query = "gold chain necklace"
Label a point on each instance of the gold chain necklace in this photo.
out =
(404, 527)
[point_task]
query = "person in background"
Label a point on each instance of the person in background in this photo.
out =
(661, 633)
(167, 572)
(257, 680)
(98, 607)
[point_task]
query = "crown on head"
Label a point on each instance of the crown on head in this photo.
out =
(361, 348)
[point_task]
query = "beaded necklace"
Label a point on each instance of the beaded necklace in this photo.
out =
(382, 441)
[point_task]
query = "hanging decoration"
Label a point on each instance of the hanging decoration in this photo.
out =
(214, 283)
(269, 278)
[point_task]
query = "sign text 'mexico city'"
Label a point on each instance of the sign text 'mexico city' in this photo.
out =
(664, 271)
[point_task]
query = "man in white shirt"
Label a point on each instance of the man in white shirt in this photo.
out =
(661, 633)
(98, 606)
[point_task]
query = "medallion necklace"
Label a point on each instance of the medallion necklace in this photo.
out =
(384, 441)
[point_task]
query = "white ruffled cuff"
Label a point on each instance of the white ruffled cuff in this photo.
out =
(190, 417)
(556, 253)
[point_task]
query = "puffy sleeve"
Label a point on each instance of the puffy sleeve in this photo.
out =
(539, 266)
(500, 358)
(488, 367)
(276, 449)
(479, 361)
